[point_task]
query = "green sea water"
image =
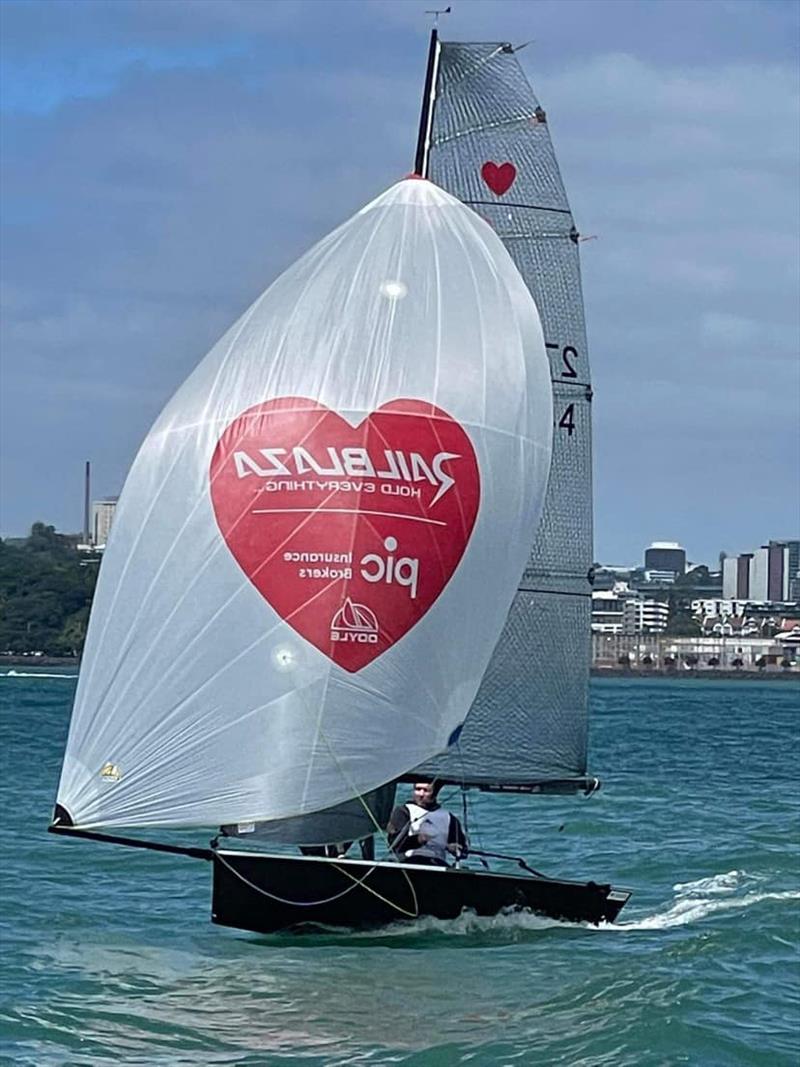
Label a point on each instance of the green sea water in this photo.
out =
(108, 956)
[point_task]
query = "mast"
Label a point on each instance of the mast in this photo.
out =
(428, 104)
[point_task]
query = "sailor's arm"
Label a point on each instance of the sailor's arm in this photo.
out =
(397, 831)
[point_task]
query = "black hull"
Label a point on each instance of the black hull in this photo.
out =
(265, 893)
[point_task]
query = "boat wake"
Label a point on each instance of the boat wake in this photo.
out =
(33, 674)
(468, 924)
(468, 930)
(693, 901)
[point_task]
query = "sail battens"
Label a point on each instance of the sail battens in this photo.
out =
(530, 785)
(521, 122)
(524, 207)
(553, 592)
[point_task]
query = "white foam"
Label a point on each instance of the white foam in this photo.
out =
(693, 902)
(34, 674)
(706, 896)
(468, 924)
(717, 883)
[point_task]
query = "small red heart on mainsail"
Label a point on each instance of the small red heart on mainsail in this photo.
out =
(350, 532)
(500, 177)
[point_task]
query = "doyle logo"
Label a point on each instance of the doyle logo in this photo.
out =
(349, 527)
(355, 623)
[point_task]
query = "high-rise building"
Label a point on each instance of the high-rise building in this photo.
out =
(759, 577)
(794, 569)
(730, 577)
(666, 556)
(102, 518)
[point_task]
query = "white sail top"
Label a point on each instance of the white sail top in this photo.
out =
(319, 540)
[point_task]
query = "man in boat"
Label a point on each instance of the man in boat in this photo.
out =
(420, 831)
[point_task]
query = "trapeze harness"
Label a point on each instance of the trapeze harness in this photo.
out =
(435, 825)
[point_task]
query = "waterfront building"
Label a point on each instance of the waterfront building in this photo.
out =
(615, 650)
(707, 653)
(102, 518)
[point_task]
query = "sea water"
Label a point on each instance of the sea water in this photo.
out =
(109, 957)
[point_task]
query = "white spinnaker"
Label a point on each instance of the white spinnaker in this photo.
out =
(197, 704)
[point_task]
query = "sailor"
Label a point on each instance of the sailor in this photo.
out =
(421, 831)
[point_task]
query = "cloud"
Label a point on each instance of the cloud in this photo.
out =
(160, 181)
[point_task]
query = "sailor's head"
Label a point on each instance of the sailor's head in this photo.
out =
(425, 792)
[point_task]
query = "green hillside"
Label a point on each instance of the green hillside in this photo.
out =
(46, 588)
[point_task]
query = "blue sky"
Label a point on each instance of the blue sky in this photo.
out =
(163, 161)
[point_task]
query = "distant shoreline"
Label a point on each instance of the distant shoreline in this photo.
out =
(707, 674)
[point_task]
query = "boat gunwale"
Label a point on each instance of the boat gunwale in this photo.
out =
(418, 867)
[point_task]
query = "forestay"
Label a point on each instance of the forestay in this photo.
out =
(318, 543)
(490, 146)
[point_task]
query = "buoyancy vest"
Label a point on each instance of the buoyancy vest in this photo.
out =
(435, 825)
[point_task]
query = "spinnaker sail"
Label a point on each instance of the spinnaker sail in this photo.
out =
(484, 137)
(318, 543)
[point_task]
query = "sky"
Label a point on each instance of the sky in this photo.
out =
(164, 160)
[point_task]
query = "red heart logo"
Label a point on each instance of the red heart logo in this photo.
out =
(349, 532)
(499, 178)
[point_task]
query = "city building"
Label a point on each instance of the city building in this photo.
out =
(102, 518)
(761, 576)
(742, 650)
(653, 577)
(606, 576)
(607, 609)
(794, 569)
(704, 607)
(665, 557)
(623, 610)
(706, 653)
(644, 615)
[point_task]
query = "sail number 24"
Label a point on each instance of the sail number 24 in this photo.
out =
(569, 356)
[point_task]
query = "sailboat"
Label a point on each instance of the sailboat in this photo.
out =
(356, 545)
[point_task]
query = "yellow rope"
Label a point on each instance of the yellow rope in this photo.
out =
(326, 900)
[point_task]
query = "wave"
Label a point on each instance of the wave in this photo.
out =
(33, 674)
(468, 930)
(696, 900)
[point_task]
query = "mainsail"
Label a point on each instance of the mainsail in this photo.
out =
(484, 137)
(318, 543)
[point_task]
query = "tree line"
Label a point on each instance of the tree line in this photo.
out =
(46, 589)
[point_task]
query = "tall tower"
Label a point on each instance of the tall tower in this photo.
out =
(86, 498)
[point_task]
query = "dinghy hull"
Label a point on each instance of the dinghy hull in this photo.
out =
(266, 893)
